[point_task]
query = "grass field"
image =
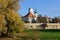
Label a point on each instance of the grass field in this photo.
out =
(37, 35)
(42, 34)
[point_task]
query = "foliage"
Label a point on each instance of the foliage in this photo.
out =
(10, 21)
(13, 4)
(41, 19)
(55, 20)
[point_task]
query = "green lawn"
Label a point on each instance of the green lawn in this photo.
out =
(38, 35)
(42, 35)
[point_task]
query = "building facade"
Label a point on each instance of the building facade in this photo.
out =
(31, 16)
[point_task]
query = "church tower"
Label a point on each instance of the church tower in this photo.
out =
(36, 15)
(30, 15)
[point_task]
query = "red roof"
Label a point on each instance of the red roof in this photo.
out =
(29, 15)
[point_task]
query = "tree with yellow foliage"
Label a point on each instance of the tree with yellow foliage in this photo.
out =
(10, 21)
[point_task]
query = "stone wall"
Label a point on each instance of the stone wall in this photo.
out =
(38, 26)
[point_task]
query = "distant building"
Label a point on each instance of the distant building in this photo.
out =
(31, 16)
(48, 19)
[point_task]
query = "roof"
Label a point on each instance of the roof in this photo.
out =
(29, 15)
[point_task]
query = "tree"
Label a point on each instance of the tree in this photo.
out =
(44, 20)
(55, 20)
(39, 18)
(10, 21)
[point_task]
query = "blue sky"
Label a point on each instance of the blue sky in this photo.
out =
(50, 8)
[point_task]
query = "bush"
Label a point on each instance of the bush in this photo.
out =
(10, 21)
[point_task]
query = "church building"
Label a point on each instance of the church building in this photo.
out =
(31, 16)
